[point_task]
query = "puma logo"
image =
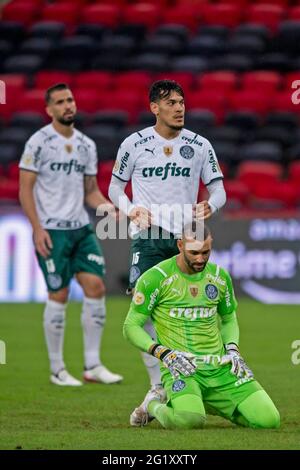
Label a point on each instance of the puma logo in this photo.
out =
(151, 151)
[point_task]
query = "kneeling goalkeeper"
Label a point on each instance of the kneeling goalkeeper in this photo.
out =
(193, 308)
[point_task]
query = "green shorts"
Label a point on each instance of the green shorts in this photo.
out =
(220, 390)
(146, 252)
(73, 251)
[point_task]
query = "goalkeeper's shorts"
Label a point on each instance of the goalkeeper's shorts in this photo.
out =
(73, 251)
(220, 390)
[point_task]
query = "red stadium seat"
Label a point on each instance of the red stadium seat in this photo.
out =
(106, 14)
(250, 173)
(237, 195)
(93, 79)
(136, 80)
(282, 101)
(294, 172)
(9, 189)
(283, 195)
(267, 14)
(87, 100)
(225, 14)
(290, 78)
(248, 100)
(210, 100)
(31, 100)
(47, 78)
(65, 12)
(24, 12)
(262, 80)
(129, 101)
(182, 14)
(146, 14)
(13, 171)
(294, 13)
(185, 79)
(222, 81)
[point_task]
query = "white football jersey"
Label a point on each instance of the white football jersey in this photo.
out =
(166, 174)
(61, 164)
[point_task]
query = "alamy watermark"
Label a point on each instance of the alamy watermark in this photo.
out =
(159, 221)
(2, 352)
(296, 94)
(2, 92)
(295, 357)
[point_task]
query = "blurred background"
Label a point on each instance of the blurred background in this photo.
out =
(238, 62)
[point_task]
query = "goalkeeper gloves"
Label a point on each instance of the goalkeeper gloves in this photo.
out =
(177, 362)
(238, 365)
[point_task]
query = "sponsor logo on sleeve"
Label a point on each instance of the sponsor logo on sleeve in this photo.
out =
(138, 298)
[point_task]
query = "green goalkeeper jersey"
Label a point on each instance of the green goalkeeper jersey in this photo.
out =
(185, 309)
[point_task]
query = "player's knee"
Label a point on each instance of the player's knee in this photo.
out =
(189, 420)
(95, 288)
(268, 419)
(60, 296)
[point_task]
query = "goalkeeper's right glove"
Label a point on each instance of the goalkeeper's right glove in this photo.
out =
(177, 362)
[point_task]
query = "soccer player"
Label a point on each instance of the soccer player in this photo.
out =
(192, 304)
(165, 163)
(57, 176)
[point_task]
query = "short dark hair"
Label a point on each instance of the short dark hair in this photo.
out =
(163, 88)
(196, 230)
(53, 88)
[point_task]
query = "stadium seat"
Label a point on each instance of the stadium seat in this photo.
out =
(95, 31)
(237, 195)
(232, 62)
(33, 101)
(288, 37)
(12, 31)
(146, 14)
(66, 12)
(285, 119)
(16, 136)
(8, 153)
(215, 30)
(267, 14)
(294, 152)
(12, 171)
(23, 63)
(49, 29)
(115, 119)
(149, 62)
(250, 100)
(250, 173)
(31, 121)
(186, 63)
(9, 190)
(104, 14)
(93, 79)
(262, 80)
(185, 79)
(226, 14)
(221, 81)
(39, 46)
(146, 119)
(164, 44)
(245, 120)
(118, 45)
(274, 61)
(183, 15)
(275, 133)
(224, 133)
(24, 12)
(206, 46)
(199, 121)
(178, 31)
(246, 45)
(136, 80)
(263, 151)
(46, 78)
(283, 195)
(87, 99)
(254, 30)
(282, 101)
(225, 151)
(210, 100)
(294, 172)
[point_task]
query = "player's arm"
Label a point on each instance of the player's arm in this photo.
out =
(121, 175)
(146, 297)
(212, 177)
(92, 194)
(41, 237)
(230, 332)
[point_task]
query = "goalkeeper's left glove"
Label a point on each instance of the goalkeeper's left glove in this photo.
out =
(238, 365)
(178, 362)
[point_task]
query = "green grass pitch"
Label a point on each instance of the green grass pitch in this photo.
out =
(37, 415)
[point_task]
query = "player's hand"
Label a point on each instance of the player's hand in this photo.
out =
(42, 242)
(140, 216)
(178, 362)
(238, 365)
(202, 210)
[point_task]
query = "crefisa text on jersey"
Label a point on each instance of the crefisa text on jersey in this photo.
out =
(150, 459)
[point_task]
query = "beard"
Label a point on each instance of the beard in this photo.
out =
(176, 128)
(66, 121)
(191, 265)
